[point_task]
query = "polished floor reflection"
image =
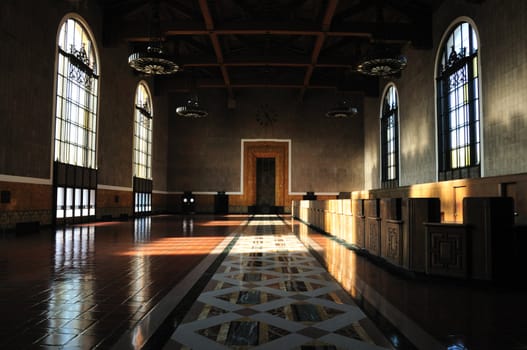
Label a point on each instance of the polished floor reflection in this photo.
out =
(85, 286)
(113, 285)
(432, 313)
(271, 293)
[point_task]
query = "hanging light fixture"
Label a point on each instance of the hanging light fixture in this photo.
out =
(153, 61)
(382, 61)
(343, 109)
(192, 108)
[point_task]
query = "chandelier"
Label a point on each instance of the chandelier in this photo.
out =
(342, 109)
(153, 61)
(192, 109)
(382, 60)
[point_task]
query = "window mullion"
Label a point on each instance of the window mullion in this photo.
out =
(472, 116)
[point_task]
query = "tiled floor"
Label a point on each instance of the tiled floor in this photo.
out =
(434, 313)
(112, 285)
(86, 286)
(271, 293)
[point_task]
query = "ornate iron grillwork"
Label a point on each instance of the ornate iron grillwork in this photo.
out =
(79, 66)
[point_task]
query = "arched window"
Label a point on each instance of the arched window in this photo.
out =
(458, 104)
(389, 138)
(75, 121)
(142, 158)
(77, 96)
(143, 133)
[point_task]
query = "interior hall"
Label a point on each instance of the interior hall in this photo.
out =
(235, 174)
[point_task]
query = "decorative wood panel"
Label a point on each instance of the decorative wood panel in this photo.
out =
(373, 235)
(392, 241)
(358, 220)
(446, 249)
(359, 231)
(417, 211)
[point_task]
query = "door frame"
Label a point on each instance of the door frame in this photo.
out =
(253, 149)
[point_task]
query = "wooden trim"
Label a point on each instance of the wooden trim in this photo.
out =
(266, 149)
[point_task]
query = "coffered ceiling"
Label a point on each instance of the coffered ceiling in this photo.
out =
(302, 44)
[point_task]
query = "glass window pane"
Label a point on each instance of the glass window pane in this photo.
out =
(69, 202)
(389, 134)
(458, 108)
(78, 202)
(76, 96)
(142, 133)
(85, 202)
(60, 202)
(92, 202)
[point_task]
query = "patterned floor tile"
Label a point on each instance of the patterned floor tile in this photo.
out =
(269, 293)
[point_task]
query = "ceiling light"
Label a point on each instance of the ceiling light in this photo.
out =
(382, 66)
(343, 109)
(382, 61)
(192, 109)
(152, 62)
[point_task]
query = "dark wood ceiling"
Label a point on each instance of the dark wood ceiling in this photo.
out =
(303, 44)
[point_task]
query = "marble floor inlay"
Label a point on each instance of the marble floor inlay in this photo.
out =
(271, 293)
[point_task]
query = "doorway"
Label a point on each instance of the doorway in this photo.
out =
(260, 180)
(265, 185)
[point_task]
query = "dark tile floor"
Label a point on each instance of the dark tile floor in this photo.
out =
(110, 285)
(431, 312)
(85, 286)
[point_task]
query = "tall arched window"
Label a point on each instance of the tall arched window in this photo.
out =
(389, 138)
(458, 104)
(143, 133)
(75, 178)
(142, 158)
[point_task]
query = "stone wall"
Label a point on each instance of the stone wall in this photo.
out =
(205, 154)
(327, 156)
(27, 112)
(503, 71)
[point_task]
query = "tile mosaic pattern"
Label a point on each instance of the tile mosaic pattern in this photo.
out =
(271, 293)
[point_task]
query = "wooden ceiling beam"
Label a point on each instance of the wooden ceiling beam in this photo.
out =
(328, 15)
(131, 32)
(181, 86)
(255, 61)
(266, 85)
(267, 64)
(319, 42)
(209, 24)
